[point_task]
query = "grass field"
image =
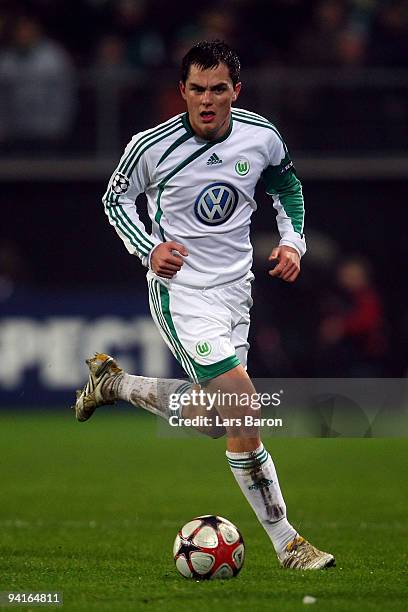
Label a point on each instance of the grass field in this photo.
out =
(92, 510)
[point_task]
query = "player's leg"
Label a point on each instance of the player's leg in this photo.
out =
(196, 332)
(251, 464)
(255, 473)
(108, 383)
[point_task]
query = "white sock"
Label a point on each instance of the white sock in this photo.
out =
(152, 394)
(256, 475)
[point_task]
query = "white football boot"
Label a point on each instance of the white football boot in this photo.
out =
(300, 554)
(101, 367)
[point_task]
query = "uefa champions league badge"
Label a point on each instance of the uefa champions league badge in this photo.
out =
(120, 183)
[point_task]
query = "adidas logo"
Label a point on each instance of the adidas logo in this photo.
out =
(214, 159)
(264, 482)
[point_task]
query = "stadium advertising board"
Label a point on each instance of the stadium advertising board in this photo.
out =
(46, 336)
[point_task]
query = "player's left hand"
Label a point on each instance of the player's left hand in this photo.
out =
(288, 266)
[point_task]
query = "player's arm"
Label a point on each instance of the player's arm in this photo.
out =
(283, 185)
(130, 179)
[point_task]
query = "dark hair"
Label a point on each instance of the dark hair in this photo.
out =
(208, 54)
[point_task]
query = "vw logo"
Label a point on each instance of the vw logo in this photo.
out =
(216, 203)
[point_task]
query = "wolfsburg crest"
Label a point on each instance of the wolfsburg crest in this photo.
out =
(242, 167)
(203, 348)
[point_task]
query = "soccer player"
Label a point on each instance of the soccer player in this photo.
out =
(199, 171)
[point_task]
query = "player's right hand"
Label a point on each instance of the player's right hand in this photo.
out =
(166, 259)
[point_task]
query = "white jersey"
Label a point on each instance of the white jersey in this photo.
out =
(201, 194)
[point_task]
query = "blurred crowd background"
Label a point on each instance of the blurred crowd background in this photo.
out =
(77, 79)
(104, 68)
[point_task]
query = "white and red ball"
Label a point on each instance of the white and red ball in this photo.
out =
(209, 547)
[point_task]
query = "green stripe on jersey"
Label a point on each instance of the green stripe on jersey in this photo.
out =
(186, 360)
(251, 119)
(131, 225)
(130, 166)
(128, 163)
(207, 372)
(149, 141)
(282, 181)
(196, 371)
(181, 165)
(160, 131)
(250, 115)
(186, 122)
(117, 222)
(174, 146)
(141, 244)
(173, 342)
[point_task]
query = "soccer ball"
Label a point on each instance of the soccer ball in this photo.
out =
(209, 547)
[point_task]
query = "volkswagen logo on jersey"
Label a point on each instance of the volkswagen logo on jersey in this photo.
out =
(216, 203)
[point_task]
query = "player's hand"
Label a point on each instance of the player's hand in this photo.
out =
(166, 258)
(288, 266)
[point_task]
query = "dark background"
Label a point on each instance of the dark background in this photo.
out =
(62, 232)
(77, 81)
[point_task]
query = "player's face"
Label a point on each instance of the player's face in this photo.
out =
(209, 95)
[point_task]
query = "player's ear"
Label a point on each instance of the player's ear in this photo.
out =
(182, 88)
(237, 89)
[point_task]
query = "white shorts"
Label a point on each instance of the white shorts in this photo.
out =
(205, 329)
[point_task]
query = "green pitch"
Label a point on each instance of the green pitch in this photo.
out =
(92, 510)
